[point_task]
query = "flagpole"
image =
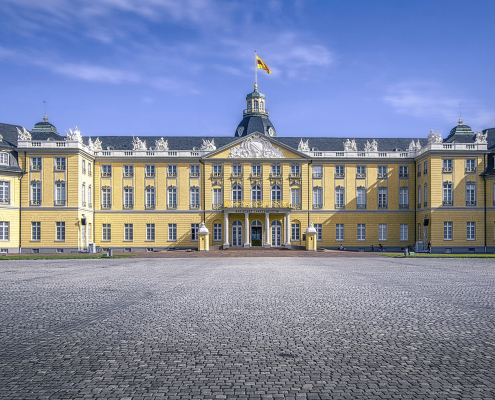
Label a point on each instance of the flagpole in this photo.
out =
(255, 71)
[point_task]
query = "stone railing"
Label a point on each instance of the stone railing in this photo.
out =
(256, 204)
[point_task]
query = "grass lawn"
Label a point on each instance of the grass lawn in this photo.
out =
(424, 255)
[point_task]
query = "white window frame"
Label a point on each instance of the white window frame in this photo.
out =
(36, 163)
(150, 232)
(470, 230)
(339, 232)
(382, 232)
(150, 170)
(128, 232)
(361, 232)
(172, 232)
(106, 232)
(106, 170)
(172, 197)
(4, 192)
(128, 170)
(194, 232)
(295, 232)
(404, 232)
(4, 231)
(35, 231)
(319, 232)
(448, 230)
(150, 198)
(217, 232)
(129, 197)
(60, 231)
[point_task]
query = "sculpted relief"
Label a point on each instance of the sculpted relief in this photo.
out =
(255, 146)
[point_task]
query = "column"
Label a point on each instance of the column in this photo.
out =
(287, 230)
(247, 238)
(226, 230)
(267, 230)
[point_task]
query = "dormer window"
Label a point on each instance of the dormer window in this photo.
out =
(4, 159)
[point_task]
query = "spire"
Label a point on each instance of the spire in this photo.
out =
(45, 118)
(460, 121)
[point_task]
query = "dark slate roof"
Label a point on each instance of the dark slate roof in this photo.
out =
(9, 133)
(490, 138)
(46, 136)
(255, 123)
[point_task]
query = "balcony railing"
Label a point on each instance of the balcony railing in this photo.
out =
(106, 174)
(194, 206)
(317, 206)
(295, 206)
(128, 174)
(419, 174)
(4, 201)
(60, 202)
(236, 174)
(447, 169)
(106, 206)
(339, 176)
(470, 202)
(256, 175)
(59, 167)
(361, 206)
(217, 206)
(276, 174)
(171, 174)
(150, 175)
(172, 206)
(35, 203)
(404, 206)
(448, 203)
(84, 170)
(360, 176)
(295, 175)
(470, 169)
(84, 204)
(317, 175)
(192, 174)
(89, 173)
(35, 167)
(128, 206)
(383, 176)
(382, 206)
(149, 206)
(257, 204)
(340, 206)
(403, 176)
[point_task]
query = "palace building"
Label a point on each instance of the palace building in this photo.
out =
(66, 193)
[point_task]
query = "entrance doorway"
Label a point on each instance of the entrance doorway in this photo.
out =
(237, 233)
(276, 234)
(256, 233)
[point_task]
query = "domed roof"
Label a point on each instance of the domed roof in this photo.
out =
(255, 94)
(461, 129)
(44, 126)
(255, 123)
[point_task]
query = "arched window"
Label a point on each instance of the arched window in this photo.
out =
(236, 193)
(276, 193)
(262, 104)
(256, 105)
(256, 193)
(249, 106)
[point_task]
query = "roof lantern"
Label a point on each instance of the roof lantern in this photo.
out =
(44, 126)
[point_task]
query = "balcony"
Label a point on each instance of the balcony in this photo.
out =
(361, 206)
(471, 170)
(339, 176)
(90, 205)
(470, 202)
(404, 206)
(60, 202)
(89, 173)
(106, 206)
(340, 206)
(295, 175)
(35, 203)
(317, 175)
(257, 204)
(419, 205)
(317, 206)
(360, 176)
(425, 171)
(295, 206)
(128, 206)
(194, 206)
(448, 203)
(447, 169)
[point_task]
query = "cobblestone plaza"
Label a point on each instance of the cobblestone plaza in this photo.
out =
(257, 328)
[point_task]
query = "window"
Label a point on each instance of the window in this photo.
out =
(295, 171)
(295, 232)
(36, 193)
(447, 231)
(256, 193)
(447, 194)
(382, 231)
(4, 231)
(89, 169)
(256, 170)
(404, 232)
(217, 232)
(59, 163)
(194, 171)
(403, 197)
(90, 199)
(470, 194)
(36, 231)
(60, 231)
(276, 170)
(425, 195)
(419, 169)
(236, 170)
(360, 172)
(172, 197)
(236, 193)
(217, 199)
(319, 236)
(361, 197)
(403, 171)
(83, 166)
(447, 165)
(106, 171)
(150, 170)
(194, 197)
(128, 197)
(339, 171)
(60, 194)
(106, 234)
(150, 197)
(255, 105)
(128, 232)
(217, 170)
(172, 171)
(317, 171)
(471, 231)
(339, 197)
(317, 197)
(194, 232)
(294, 198)
(150, 232)
(172, 232)
(425, 167)
(128, 171)
(4, 159)
(276, 193)
(361, 232)
(106, 197)
(35, 163)
(382, 197)
(339, 232)
(5, 192)
(382, 171)
(83, 195)
(470, 165)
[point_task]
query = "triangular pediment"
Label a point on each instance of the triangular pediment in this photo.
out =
(256, 146)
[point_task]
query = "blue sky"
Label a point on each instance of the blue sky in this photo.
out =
(163, 67)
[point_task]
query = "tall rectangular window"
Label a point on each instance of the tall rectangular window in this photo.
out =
(425, 195)
(339, 197)
(317, 197)
(361, 197)
(361, 232)
(276, 170)
(172, 232)
(36, 231)
(295, 198)
(89, 169)
(217, 199)
(470, 165)
(4, 231)
(128, 232)
(106, 171)
(217, 232)
(90, 198)
(172, 171)
(237, 170)
(360, 171)
(5, 192)
(128, 171)
(128, 197)
(60, 163)
(106, 234)
(471, 231)
(447, 194)
(194, 197)
(419, 169)
(256, 170)
(217, 170)
(150, 232)
(319, 232)
(36, 193)
(419, 196)
(470, 194)
(382, 171)
(339, 171)
(447, 165)
(4, 158)
(447, 231)
(403, 171)
(194, 232)
(60, 231)
(295, 232)
(150, 197)
(339, 232)
(172, 197)
(382, 231)
(404, 197)
(295, 170)
(149, 170)
(382, 197)
(83, 166)
(404, 232)
(83, 195)
(60, 194)
(425, 167)
(317, 171)
(35, 163)
(194, 171)
(106, 197)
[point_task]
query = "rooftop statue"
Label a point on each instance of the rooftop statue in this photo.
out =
(303, 145)
(434, 137)
(75, 136)
(208, 145)
(161, 145)
(96, 145)
(350, 145)
(23, 135)
(371, 147)
(481, 138)
(138, 144)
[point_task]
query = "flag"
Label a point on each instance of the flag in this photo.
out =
(262, 65)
